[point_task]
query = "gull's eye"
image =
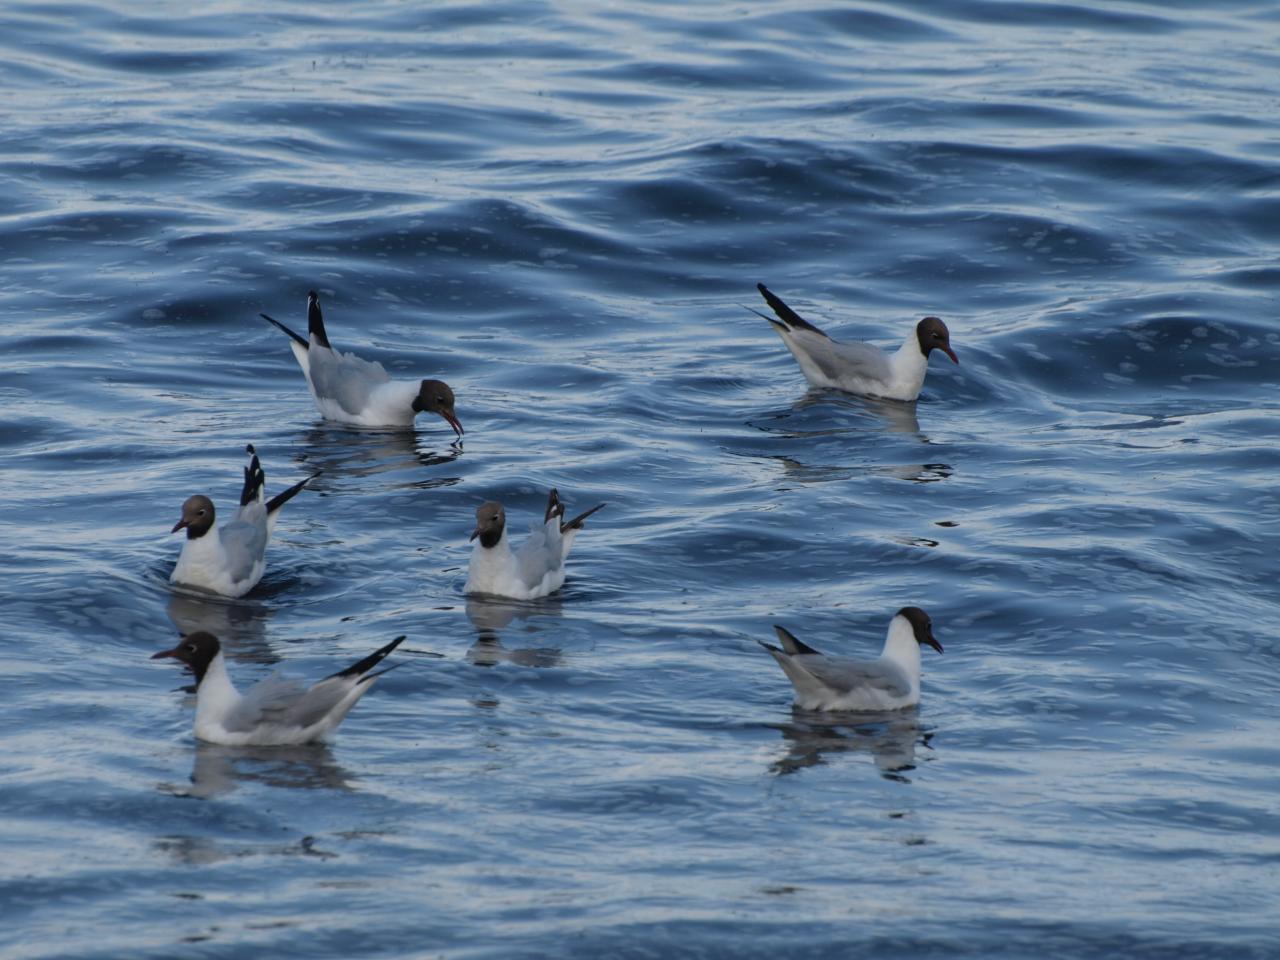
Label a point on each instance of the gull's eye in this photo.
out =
(191, 647)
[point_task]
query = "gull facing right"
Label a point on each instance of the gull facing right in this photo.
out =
(890, 682)
(537, 567)
(274, 711)
(859, 367)
(361, 392)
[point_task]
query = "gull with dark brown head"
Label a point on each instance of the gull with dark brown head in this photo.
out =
(348, 389)
(859, 367)
(275, 711)
(890, 682)
(537, 567)
(230, 560)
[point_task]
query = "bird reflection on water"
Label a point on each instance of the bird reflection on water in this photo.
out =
(890, 738)
(489, 615)
(848, 417)
(342, 451)
(898, 415)
(241, 625)
(221, 769)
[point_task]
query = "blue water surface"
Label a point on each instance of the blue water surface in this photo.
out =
(562, 209)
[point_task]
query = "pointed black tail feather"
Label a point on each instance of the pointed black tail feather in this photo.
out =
(576, 522)
(298, 337)
(788, 316)
(790, 643)
(280, 499)
(315, 319)
(773, 320)
(554, 507)
(362, 667)
(370, 677)
(254, 478)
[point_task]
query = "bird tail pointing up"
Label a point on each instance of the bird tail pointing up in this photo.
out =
(576, 522)
(789, 317)
(254, 478)
(280, 499)
(362, 667)
(315, 320)
(296, 337)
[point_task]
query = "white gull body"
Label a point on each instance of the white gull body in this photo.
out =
(890, 682)
(229, 560)
(533, 570)
(859, 367)
(349, 389)
(275, 711)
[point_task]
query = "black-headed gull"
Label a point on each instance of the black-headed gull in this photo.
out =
(890, 682)
(534, 570)
(274, 711)
(230, 560)
(859, 367)
(361, 392)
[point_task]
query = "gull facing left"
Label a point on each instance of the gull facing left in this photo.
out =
(890, 682)
(537, 567)
(230, 560)
(274, 711)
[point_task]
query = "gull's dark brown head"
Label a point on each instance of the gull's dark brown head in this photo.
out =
(196, 651)
(491, 520)
(933, 334)
(434, 396)
(921, 625)
(197, 517)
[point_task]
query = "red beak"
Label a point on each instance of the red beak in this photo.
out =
(952, 354)
(178, 526)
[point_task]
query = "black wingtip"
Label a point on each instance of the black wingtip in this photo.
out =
(791, 643)
(785, 313)
(554, 507)
(360, 668)
(576, 522)
(254, 477)
(315, 319)
(764, 316)
(297, 337)
(280, 499)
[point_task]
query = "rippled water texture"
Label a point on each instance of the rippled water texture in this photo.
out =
(563, 210)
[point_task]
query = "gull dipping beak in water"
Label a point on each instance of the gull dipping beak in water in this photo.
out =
(348, 389)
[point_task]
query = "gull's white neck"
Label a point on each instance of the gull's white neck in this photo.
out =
(902, 648)
(216, 694)
(391, 403)
(909, 365)
(491, 567)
